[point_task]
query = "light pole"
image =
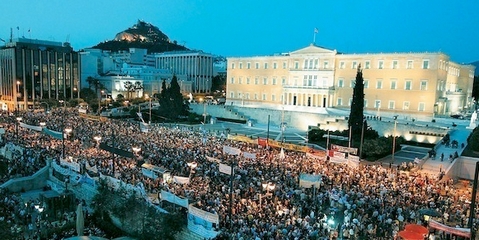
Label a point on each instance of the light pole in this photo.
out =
(97, 139)
(19, 119)
(63, 128)
(17, 94)
(394, 137)
(268, 187)
(67, 131)
(192, 166)
(362, 140)
(149, 114)
(48, 106)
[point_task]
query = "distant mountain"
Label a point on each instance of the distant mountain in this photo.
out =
(476, 63)
(141, 35)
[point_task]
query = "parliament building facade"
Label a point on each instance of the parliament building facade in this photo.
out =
(314, 79)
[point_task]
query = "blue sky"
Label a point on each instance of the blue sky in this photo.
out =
(255, 27)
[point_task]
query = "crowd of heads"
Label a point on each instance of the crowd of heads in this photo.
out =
(368, 202)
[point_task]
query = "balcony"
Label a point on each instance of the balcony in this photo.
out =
(309, 87)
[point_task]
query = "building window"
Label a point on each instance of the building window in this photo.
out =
(316, 61)
(265, 81)
(273, 97)
(391, 104)
(274, 81)
(265, 65)
(256, 65)
(423, 85)
(395, 64)
(354, 65)
(366, 83)
(264, 97)
(377, 104)
(405, 105)
(232, 95)
(367, 65)
(284, 65)
(379, 84)
(232, 65)
(326, 65)
(422, 107)
(380, 64)
(232, 80)
(248, 65)
(393, 83)
(283, 81)
(256, 81)
(340, 101)
(240, 65)
(340, 83)
(350, 101)
(296, 65)
(247, 96)
(341, 65)
(365, 103)
(425, 64)
(275, 65)
(352, 83)
(247, 80)
(409, 64)
(255, 96)
(407, 85)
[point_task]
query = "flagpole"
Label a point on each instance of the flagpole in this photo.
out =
(231, 195)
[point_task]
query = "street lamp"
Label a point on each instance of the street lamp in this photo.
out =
(66, 131)
(149, 98)
(19, 119)
(394, 137)
(266, 187)
(192, 166)
(47, 106)
(18, 94)
(97, 139)
(42, 124)
(136, 150)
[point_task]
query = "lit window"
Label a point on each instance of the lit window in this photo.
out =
(340, 83)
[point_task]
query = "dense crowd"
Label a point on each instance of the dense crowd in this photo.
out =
(368, 202)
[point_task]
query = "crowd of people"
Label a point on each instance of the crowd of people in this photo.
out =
(368, 202)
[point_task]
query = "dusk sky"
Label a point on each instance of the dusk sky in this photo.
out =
(255, 28)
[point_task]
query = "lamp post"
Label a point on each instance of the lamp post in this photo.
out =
(149, 114)
(67, 131)
(136, 150)
(97, 139)
(192, 166)
(19, 119)
(268, 187)
(394, 137)
(17, 94)
(48, 106)
(63, 128)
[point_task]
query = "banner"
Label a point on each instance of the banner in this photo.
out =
(210, 217)
(309, 180)
(314, 156)
(117, 151)
(339, 148)
(54, 134)
(212, 159)
(262, 142)
(353, 161)
(72, 165)
(249, 155)
(181, 180)
(240, 138)
(231, 150)
(463, 232)
(172, 198)
(60, 169)
(149, 173)
(225, 169)
(144, 127)
(36, 128)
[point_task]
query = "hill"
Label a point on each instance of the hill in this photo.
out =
(141, 35)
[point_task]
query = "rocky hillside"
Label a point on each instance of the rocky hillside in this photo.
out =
(141, 35)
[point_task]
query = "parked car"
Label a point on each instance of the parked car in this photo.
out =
(457, 116)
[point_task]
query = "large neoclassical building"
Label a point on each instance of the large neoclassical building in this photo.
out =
(314, 79)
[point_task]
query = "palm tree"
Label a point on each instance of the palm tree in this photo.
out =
(129, 88)
(138, 87)
(98, 86)
(90, 80)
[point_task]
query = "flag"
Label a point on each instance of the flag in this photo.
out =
(316, 30)
(28, 30)
(18, 28)
(281, 154)
(226, 169)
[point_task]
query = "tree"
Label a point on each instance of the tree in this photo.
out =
(88, 95)
(129, 88)
(171, 100)
(90, 80)
(356, 116)
(138, 86)
(219, 83)
(475, 90)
